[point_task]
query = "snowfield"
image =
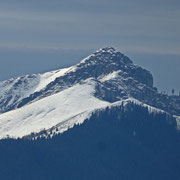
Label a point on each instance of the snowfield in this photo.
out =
(48, 112)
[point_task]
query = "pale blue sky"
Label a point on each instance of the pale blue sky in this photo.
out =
(39, 35)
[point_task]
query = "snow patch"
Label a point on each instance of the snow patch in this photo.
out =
(110, 76)
(48, 77)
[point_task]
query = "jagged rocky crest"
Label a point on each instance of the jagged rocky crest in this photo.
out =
(116, 76)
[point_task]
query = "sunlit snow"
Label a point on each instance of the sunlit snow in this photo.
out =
(47, 112)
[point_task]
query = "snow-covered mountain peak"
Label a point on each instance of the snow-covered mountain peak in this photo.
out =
(105, 77)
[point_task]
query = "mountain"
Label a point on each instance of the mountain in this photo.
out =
(99, 119)
(60, 99)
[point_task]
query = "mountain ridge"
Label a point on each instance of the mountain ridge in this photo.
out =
(108, 75)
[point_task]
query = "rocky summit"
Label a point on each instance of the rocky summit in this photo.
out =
(116, 78)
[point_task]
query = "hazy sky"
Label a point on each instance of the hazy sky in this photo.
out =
(39, 35)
